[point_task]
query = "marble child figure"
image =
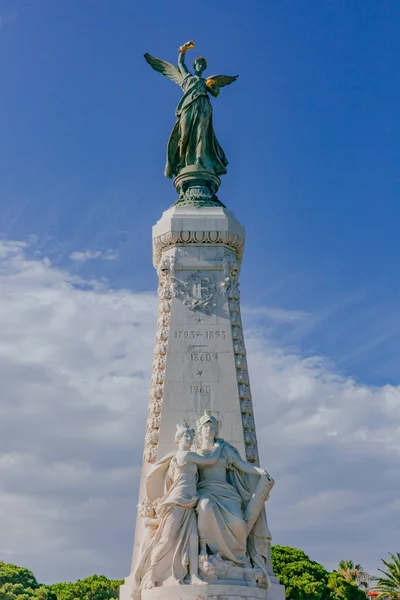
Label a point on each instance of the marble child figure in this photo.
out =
(172, 552)
(146, 511)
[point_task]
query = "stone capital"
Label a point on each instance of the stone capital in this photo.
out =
(187, 225)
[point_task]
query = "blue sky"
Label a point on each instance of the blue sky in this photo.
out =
(311, 131)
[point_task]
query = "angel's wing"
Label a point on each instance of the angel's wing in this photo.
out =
(165, 68)
(222, 80)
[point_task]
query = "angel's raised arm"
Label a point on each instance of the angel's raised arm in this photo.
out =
(182, 65)
(165, 68)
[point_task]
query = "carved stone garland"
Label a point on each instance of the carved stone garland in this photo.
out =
(230, 289)
(165, 294)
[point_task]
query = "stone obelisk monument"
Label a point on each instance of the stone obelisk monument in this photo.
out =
(201, 529)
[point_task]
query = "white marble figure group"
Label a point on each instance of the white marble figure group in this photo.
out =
(204, 515)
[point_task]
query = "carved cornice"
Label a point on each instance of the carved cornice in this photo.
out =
(176, 238)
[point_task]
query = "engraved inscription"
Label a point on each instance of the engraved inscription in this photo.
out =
(200, 389)
(215, 334)
(200, 347)
(191, 334)
(185, 334)
(202, 357)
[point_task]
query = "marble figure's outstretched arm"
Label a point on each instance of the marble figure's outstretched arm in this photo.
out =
(250, 469)
(204, 461)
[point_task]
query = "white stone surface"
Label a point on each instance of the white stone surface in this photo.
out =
(200, 354)
(197, 592)
(203, 515)
(200, 360)
(216, 592)
(276, 591)
(189, 225)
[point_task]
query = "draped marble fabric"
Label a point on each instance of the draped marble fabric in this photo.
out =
(220, 510)
(167, 552)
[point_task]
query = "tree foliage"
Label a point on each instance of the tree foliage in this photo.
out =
(354, 573)
(305, 579)
(17, 575)
(17, 583)
(388, 585)
(342, 589)
(96, 587)
(16, 591)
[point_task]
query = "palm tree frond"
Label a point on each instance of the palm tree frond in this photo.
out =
(388, 585)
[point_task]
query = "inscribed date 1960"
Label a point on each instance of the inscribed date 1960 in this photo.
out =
(200, 389)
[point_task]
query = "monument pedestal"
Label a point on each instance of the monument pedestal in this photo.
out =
(199, 365)
(206, 592)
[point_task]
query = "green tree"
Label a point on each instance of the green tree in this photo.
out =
(388, 585)
(10, 573)
(16, 591)
(342, 589)
(96, 587)
(354, 573)
(305, 579)
(18, 583)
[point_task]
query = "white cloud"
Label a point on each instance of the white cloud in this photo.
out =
(278, 314)
(334, 446)
(75, 361)
(93, 255)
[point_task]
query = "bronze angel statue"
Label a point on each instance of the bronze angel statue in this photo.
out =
(193, 141)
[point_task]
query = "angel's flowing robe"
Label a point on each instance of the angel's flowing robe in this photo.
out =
(193, 138)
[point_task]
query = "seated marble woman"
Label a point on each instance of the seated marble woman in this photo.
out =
(225, 489)
(171, 554)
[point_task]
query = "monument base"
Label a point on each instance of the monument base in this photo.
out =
(205, 592)
(213, 591)
(276, 590)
